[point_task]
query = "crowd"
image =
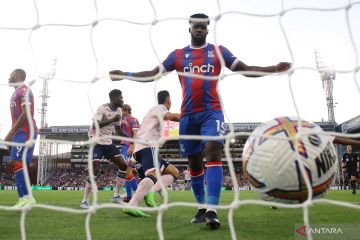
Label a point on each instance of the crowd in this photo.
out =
(75, 177)
(6, 182)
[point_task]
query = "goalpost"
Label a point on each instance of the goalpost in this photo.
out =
(237, 201)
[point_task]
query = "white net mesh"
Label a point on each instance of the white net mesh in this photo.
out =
(237, 202)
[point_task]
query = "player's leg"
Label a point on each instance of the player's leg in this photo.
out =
(214, 177)
(133, 182)
(146, 157)
(17, 169)
(98, 153)
(120, 182)
(193, 150)
(170, 174)
(197, 175)
(353, 182)
(129, 176)
(113, 153)
(213, 125)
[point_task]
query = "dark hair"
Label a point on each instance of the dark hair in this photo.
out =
(162, 95)
(200, 16)
(114, 93)
(21, 72)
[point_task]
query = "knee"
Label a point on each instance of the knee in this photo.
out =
(151, 175)
(172, 170)
(213, 151)
(15, 166)
(120, 162)
(196, 162)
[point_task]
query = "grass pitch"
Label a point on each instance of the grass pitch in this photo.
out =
(251, 222)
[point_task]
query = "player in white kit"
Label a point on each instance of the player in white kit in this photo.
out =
(146, 153)
(106, 117)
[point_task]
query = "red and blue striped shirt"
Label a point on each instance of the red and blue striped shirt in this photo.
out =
(128, 125)
(17, 100)
(199, 94)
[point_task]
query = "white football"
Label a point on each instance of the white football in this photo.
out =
(272, 166)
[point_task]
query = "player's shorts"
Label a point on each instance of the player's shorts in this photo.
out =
(124, 149)
(108, 152)
(18, 151)
(147, 156)
(207, 123)
(140, 170)
(352, 172)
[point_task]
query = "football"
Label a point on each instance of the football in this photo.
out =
(271, 160)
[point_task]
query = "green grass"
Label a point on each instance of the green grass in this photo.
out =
(251, 222)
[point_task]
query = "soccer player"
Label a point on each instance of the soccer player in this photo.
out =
(129, 127)
(201, 112)
(146, 153)
(20, 133)
(350, 162)
(187, 178)
(107, 117)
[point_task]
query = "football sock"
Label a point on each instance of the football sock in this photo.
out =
(214, 176)
(134, 184)
(197, 185)
(118, 185)
(87, 192)
(144, 187)
(20, 180)
(166, 179)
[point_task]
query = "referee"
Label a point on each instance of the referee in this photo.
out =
(350, 163)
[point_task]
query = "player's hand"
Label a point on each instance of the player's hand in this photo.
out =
(116, 118)
(115, 75)
(282, 66)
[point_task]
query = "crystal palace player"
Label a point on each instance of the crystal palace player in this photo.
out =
(350, 163)
(20, 133)
(107, 117)
(129, 127)
(201, 112)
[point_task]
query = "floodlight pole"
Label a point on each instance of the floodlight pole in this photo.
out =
(45, 148)
(327, 75)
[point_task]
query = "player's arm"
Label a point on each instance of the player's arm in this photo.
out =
(345, 141)
(172, 116)
(134, 127)
(20, 122)
(131, 148)
(119, 132)
(98, 117)
(280, 67)
(168, 65)
(117, 75)
(106, 122)
(235, 65)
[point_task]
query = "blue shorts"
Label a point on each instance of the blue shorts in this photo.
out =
(124, 151)
(207, 123)
(146, 157)
(18, 151)
(108, 152)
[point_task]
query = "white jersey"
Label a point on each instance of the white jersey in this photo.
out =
(104, 112)
(149, 130)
